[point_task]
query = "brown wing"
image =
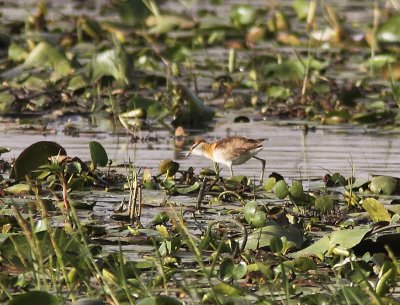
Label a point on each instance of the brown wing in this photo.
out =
(236, 146)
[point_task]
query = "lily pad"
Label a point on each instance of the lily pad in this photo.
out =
(383, 185)
(243, 15)
(34, 298)
(281, 189)
(44, 55)
(301, 8)
(262, 237)
(35, 156)
(192, 110)
(255, 214)
(324, 203)
(116, 63)
(344, 238)
(159, 300)
(163, 24)
(296, 189)
(154, 109)
(376, 210)
(389, 32)
(17, 53)
(188, 189)
(229, 270)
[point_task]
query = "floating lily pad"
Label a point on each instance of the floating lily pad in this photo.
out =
(229, 270)
(281, 189)
(269, 184)
(35, 156)
(19, 189)
(192, 110)
(17, 53)
(389, 32)
(89, 301)
(296, 189)
(154, 109)
(279, 92)
(344, 238)
(262, 237)
(243, 15)
(255, 214)
(168, 167)
(383, 185)
(159, 300)
(163, 24)
(324, 203)
(34, 298)
(376, 210)
(301, 8)
(114, 62)
(188, 189)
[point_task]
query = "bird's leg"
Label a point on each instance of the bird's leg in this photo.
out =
(230, 167)
(263, 167)
(216, 169)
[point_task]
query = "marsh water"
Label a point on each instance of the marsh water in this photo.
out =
(288, 151)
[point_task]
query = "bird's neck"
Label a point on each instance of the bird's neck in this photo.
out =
(208, 150)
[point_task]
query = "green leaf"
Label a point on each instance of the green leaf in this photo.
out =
(132, 10)
(281, 189)
(255, 214)
(98, 154)
(188, 189)
(115, 62)
(4, 150)
(301, 8)
(6, 101)
(389, 32)
(35, 156)
(73, 168)
(239, 271)
(262, 237)
(229, 270)
(18, 189)
(89, 301)
(159, 300)
(383, 185)
(279, 92)
(269, 184)
(227, 289)
(226, 269)
(192, 110)
(324, 203)
(154, 109)
(16, 53)
(376, 210)
(35, 298)
(163, 24)
(44, 55)
(296, 189)
(344, 238)
(242, 15)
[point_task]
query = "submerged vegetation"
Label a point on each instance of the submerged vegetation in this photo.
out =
(184, 235)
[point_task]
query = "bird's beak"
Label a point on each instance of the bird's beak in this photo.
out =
(188, 153)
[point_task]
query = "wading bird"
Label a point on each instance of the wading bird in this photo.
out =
(229, 151)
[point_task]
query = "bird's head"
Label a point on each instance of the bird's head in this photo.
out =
(197, 148)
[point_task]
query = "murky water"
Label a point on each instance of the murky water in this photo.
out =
(287, 151)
